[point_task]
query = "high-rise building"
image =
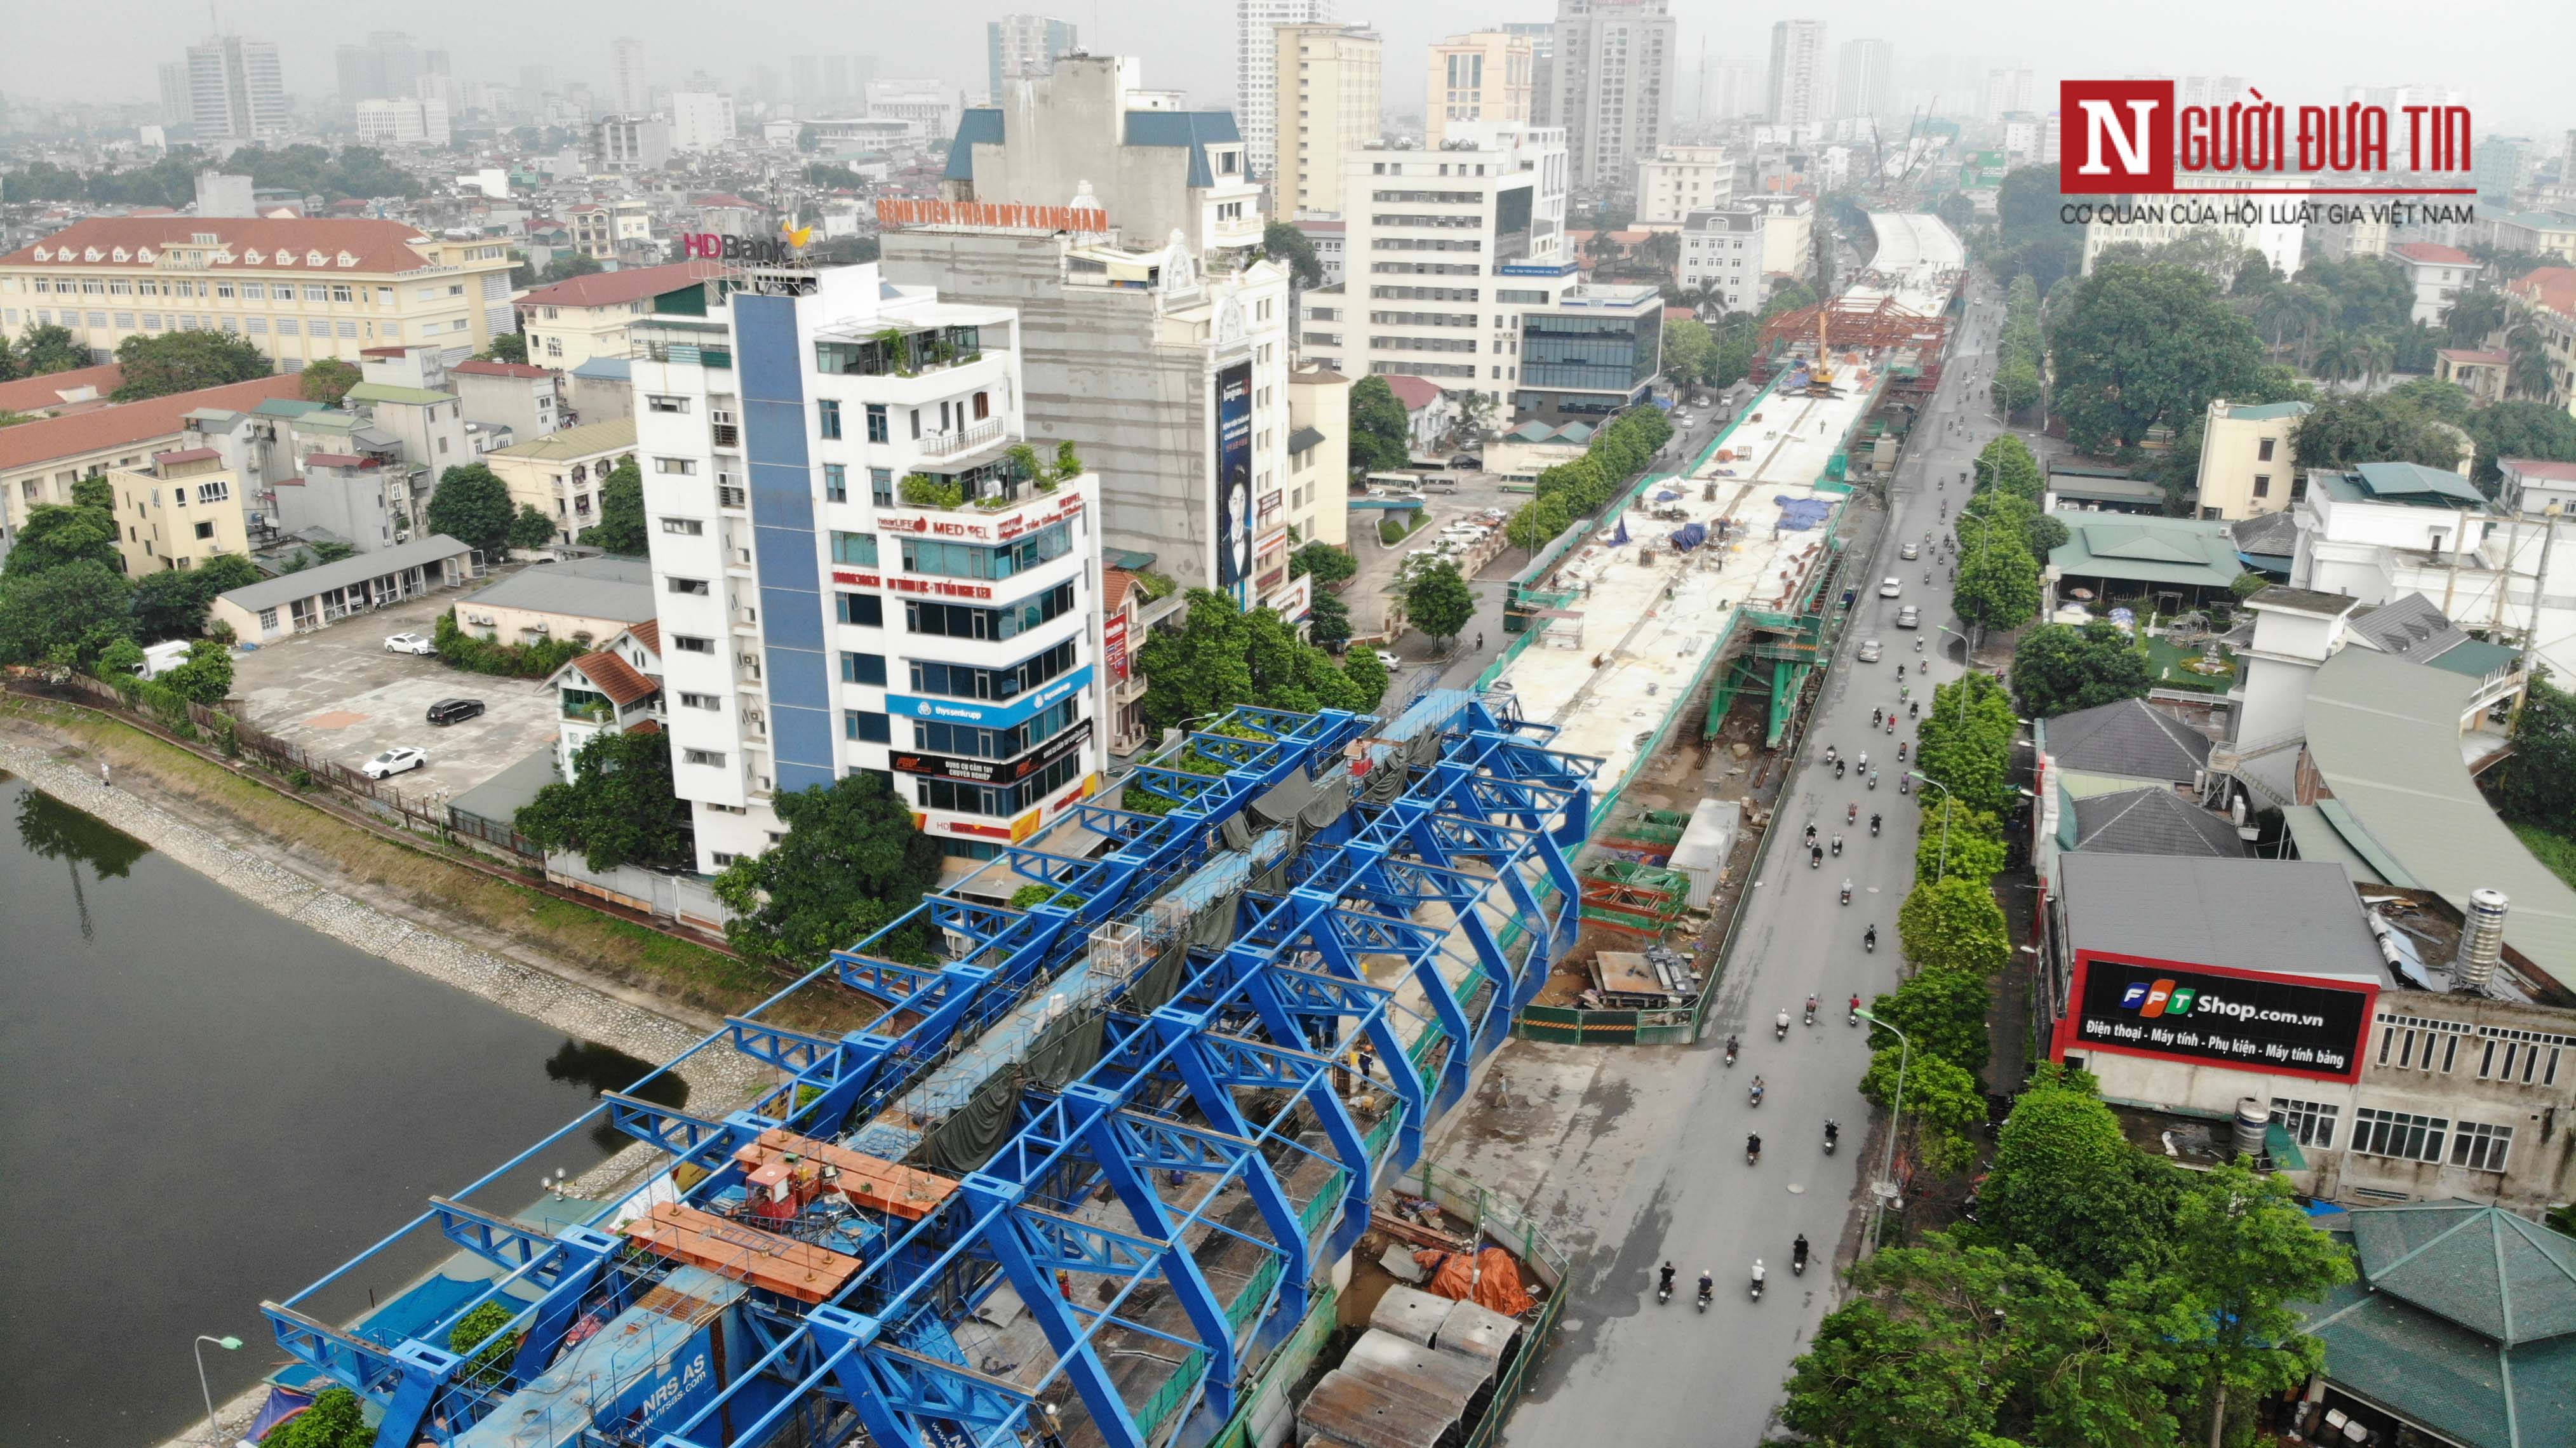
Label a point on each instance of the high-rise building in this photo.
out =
(1797, 73)
(388, 67)
(1614, 86)
(1678, 180)
(235, 90)
(701, 120)
(1729, 88)
(817, 618)
(626, 86)
(1865, 79)
(621, 145)
(535, 82)
(2008, 91)
(1329, 92)
(1481, 76)
(1541, 34)
(1256, 73)
(1017, 47)
(176, 110)
(384, 122)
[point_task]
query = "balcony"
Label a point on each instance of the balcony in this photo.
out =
(986, 487)
(896, 352)
(687, 354)
(965, 439)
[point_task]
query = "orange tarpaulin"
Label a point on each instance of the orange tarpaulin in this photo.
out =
(1489, 1278)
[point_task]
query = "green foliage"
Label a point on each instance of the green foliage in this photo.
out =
(1031, 896)
(1965, 743)
(1364, 669)
(461, 650)
(1536, 523)
(2058, 668)
(2030, 241)
(921, 490)
(619, 809)
(1974, 843)
(1284, 243)
(49, 348)
(2345, 429)
(1943, 1012)
(484, 1329)
(1788, 297)
(1328, 626)
(2006, 465)
(1617, 453)
(507, 347)
(472, 505)
(204, 677)
(94, 492)
(67, 615)
(531, 529)
(172, 603)
(2539, 785)
(2068, 1186)
(1221, 657)
(2519, 430)
(568, 265)
(336, 1420)
(327, 380)
(2148, 344)
(2244, 1253)
(1328, 564)
(1954, 924)
(1381, 430)
(355, 171)
(1998, 586)
(1944, 1104)
(157, 366)
(851, 863)
(620, 528)
(1690, 353)
(1438, 601)
(56, 535)
(121, 658)
(1068, 463)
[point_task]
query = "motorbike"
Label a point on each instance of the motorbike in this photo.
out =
(1753, 1093)
(1779, 1032)
(1730, 1050)
(1905, 785)
(1815, 857)
(1863, 761)
(1838, 769)
(1918, 646)
(1833, 1133)
(1851, 813)
(1873, 825)
(1811, 1010)
(1869, 940)
(1873, 779)
(1927, 575)
(1757, 1280)
(1854, 1021)
(1847, 901)
(1664, 1288)
(1706, 1289)
(1875, 715)
(1914, 710)
(1752, 1150)
(1900, 751)
(1798, 1259)
(1838, 847)
(1891, 723)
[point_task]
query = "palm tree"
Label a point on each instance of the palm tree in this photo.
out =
(2336, 356)
(2315, 309)
(2377, 353)
(2278, 310)
(2473, 315)
(2526, 363)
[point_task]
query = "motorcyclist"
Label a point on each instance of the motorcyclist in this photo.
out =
(1732, 1045)
(1846, 890)
(1798, 1250)
(1664, 1280)
(1868, 941)
(1833, 1129)
(1851, 813)
(1707, 1283)
(1752, 1144)
(1838, 846)
(1757, 1272)
(1783, 1023)
(1815, 856)
(1855, 1000)
(1873, 822)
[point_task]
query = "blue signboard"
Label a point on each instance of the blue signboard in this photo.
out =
(989, 715)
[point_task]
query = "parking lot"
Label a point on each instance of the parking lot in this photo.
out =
(341, 694)
(1369, 589)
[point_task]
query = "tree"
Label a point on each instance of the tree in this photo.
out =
(1954, 924)
(1365, 670)
(531, 529)
(1328, 626)
(67, 615)
(2244, 1253)
(1328, 564)
(157, 366)
(2540, 774)
(1998, 585)
(1965, 744)
(2058, 668)
(568, 265)
(1222, 656)
(2519, 430)
(506, 347)
(472, 506)
(335, 1420)
(48, 348)
(851, 862)
(2526, 351)
(620, 528)
(172, 603)
(56, 535)
(2344, 430)
(1381, 430)
(1438, 601)
(1943, 1012)
(2149, 344)
(1944, 1103)
(1535, 524)
(327, 380)
(2068, 1186)
(1690, 352)
(205, 676)
(1282, 242)
(2007, 466)
(620, 808)
(1972, 847)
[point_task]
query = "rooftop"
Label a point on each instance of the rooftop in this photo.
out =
(614, 288)
(2270, 917)
(576, 442)
(613, 676)
(2553, 287)
(476, 367)
(48, 390)
(2138, 548)
(2409, 627)
(129, 423)
(244, 243)
(323, 578)
(2530, 468)
(2410, 485)
(2432, 253)
(618, 588)
(1415, 393)
(2263, 411)
(2153, 820)
(2267, 535)
(2303, 600)
(388, 392)
(2131, 739)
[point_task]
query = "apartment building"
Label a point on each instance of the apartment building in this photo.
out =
(629, 144)
(1485, 75)
(1018, 47)
(564, 474)
(529, 401)
(298, 288)
(2245, 459)
(1797, 75)
(1329, 93)
(1613, 73)
(2546, 298)
(701, 121)
(363, 501)
(1865, 79)
(856, 570)
(1327, 237)
(570, 322)
(2437, 273)
(1678, 180)
(40, 460)
(1723, 250)
(177, 511)
(235, 90)
(1256, 70)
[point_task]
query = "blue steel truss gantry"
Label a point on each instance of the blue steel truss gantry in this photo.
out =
(1145, 1233)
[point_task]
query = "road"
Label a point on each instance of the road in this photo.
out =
(1650, 1163)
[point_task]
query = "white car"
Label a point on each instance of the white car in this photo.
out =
(1911, 551)
(1889, 588)
(410, 643)
(1869, 651)
(397, 760)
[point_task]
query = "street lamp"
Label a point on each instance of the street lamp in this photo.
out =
(1885, 1192)
(228, 1344)
(1943, 871)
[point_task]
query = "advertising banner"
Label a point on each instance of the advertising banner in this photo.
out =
(2201, 1013)
(1113, 645)
(1234, 520)
(990, 771)
(990, 715)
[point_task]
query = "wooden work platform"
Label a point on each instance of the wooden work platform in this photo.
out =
(746, 1254)
(868, 1181)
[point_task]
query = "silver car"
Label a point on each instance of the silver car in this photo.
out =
(1869, 651)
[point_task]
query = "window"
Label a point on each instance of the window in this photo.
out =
(690, 644)
(836, 485)
(702, 756)
(881, 487)
(863, 668)
(854, 548)
(205, 530)
(985, 799)
(2528, 1057)
(967, 560)
(317, 294)
(2416, 1043)
(2263, 451)
(2262, 485)
(864, 609)
(699, 701)
(827, 417)
(2310, 1123)
(981, 743)
(340, 292)
(685, 527)
(866, 726)
(685, 467)
(2399, 1134)
(222, 289)
(722, 858)
(963, 621)
(661, 402)
(267, 620)
(876, 423)
(2480, 1147)
(964, 681)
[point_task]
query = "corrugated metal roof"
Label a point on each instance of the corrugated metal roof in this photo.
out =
(976, 125)
(2273, 917)
(2318, 839)
(1197, 130)
(2385, 735)
(2136, 548)
(388, 392)
(2130, 739)
(287, 587)
(618, 588)
(2482, 1267)
(2153, 821)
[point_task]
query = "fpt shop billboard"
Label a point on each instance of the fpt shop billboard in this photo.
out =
(2208, 1014)
(1234, 520)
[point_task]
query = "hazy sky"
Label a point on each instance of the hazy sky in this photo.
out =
(2514, 56)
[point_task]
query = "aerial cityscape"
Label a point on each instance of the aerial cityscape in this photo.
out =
(1270, 725)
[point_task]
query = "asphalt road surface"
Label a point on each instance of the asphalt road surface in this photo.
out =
(1639, 1374)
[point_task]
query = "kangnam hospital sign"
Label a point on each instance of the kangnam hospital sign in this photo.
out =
(998, 215)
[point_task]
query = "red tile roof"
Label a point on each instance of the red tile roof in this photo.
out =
(634, 284)
(2473, 355)
(723, 198)
(2553, 287)
(377, 246)
(1114, 583)
(1415, 393)
(132, 422)
(648, 633)
(45, 393)
(2539, 468)
(475, 367)
(614, 677)
(2435, 252)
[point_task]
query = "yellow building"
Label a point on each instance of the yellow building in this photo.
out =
(563, 474)
(2245, 463)
(1329, 84)
(1319, 454)
(1481, 76)
(298, 288)
(570, 322)
(183, 509)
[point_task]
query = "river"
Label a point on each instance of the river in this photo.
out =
(204, 1104)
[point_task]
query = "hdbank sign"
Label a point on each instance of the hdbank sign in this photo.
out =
(990, 716)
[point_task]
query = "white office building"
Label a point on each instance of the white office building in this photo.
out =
(701, 121)
(1865, 79)
(1613, 74)
(236, 91)
(1678, 180)
(853, 571)
(1798, 95)
(402, 123)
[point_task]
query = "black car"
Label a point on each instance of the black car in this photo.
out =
(451, 711)
(1466, 462)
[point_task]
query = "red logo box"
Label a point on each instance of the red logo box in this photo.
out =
(2115, 136)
